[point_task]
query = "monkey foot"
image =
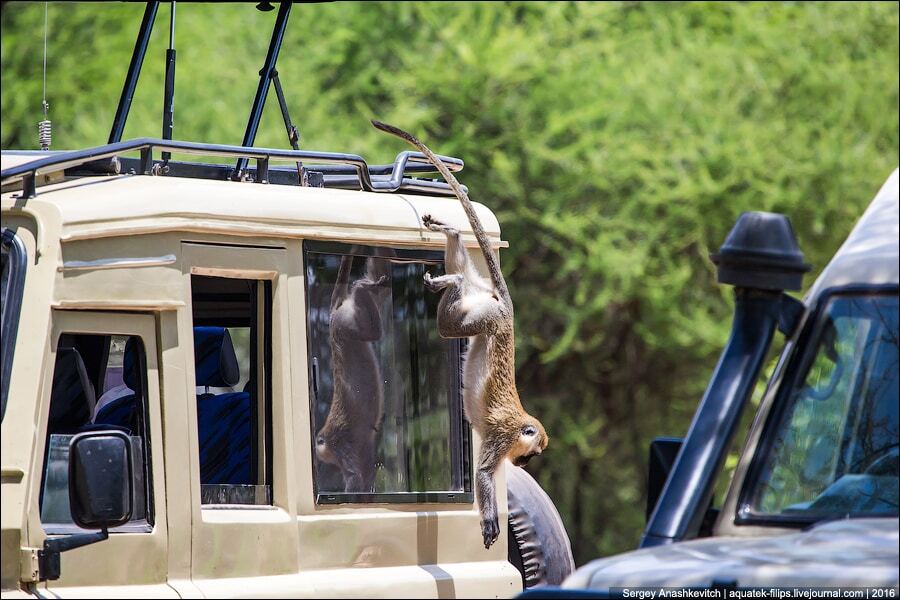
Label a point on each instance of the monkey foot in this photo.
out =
(433, 224)
(490, 530)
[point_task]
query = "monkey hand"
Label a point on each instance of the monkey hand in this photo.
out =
(490, 530)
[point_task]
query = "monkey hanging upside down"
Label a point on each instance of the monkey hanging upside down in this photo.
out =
(481, 310)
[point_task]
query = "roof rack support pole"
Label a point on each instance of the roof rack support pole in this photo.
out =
(262, 170)
(265, 74)
(169, 91)
(292, 131)
(134, 71)
(29, 185)
(146, 160)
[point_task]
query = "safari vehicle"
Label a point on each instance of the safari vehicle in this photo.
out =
(170, 421)
(178, 329)
(814, 498)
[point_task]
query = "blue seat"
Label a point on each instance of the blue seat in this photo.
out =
(72, 396)
(223, 420)
(122, 412)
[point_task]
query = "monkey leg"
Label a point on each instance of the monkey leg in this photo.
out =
(456, 257)
(465, 314)
(436, 284)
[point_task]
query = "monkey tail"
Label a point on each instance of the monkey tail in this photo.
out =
(477, 229)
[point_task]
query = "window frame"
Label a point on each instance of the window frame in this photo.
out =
(15, 287)
(260, 324)
(459, 435)
(117, 324)
(803, 353)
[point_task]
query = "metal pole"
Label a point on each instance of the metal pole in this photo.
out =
(292, 132)
(134, 71)
(169, 91)
(265, 74)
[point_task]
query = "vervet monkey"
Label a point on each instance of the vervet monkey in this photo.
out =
(348, 437)
(481, 310)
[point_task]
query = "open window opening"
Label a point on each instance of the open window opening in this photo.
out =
(99, 383)
(232, 359)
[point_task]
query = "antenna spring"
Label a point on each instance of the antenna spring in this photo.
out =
(45, 130)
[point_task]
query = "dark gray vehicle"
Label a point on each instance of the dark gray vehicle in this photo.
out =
(814, 499)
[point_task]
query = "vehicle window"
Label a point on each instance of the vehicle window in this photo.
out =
(99, 383)
(385, 387)
(12, 260)
(231, 359)
(835, 451)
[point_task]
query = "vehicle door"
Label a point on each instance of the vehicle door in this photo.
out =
(103, 375)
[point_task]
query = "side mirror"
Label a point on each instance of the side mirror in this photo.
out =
(100, 479)
(101, 472)
(663, 452)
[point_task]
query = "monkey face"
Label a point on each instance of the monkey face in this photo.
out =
(532, 441)
(324, 452)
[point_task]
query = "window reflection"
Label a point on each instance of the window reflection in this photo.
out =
(385, 386)
(836, 450)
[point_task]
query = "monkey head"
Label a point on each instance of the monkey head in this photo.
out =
(325, 451)
(532, 440)
(352, 450)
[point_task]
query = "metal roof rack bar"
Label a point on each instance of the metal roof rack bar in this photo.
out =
(344, 164)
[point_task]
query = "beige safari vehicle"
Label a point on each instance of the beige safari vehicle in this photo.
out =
(220, 388)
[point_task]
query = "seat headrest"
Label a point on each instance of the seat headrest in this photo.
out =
(214, 358)
(131, 364)
(72, 395)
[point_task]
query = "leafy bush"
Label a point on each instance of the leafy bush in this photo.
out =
(617, 142)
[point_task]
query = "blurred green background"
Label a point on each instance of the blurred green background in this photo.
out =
(617, 143)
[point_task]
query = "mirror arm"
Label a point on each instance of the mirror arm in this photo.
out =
(49, 559)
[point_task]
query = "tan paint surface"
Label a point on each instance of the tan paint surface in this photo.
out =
(295, 547)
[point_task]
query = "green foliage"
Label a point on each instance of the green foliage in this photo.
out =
(617, 142)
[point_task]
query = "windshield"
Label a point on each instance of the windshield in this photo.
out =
(834, 450)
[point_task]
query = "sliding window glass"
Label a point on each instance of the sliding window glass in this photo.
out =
(385, 387)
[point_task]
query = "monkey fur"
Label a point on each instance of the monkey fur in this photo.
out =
(481, 310)
(348, 437)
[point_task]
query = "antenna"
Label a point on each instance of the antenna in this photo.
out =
(45, 127)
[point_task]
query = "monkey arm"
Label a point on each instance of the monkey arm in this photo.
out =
(487, 506)
(341, 282)
(489, 460)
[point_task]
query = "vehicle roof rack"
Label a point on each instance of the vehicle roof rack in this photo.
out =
(326, 169)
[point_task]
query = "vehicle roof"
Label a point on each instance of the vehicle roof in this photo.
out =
(10, 160)
(870, 254)
(104, 206)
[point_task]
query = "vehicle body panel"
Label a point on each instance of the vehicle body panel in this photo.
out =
(126, 246)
